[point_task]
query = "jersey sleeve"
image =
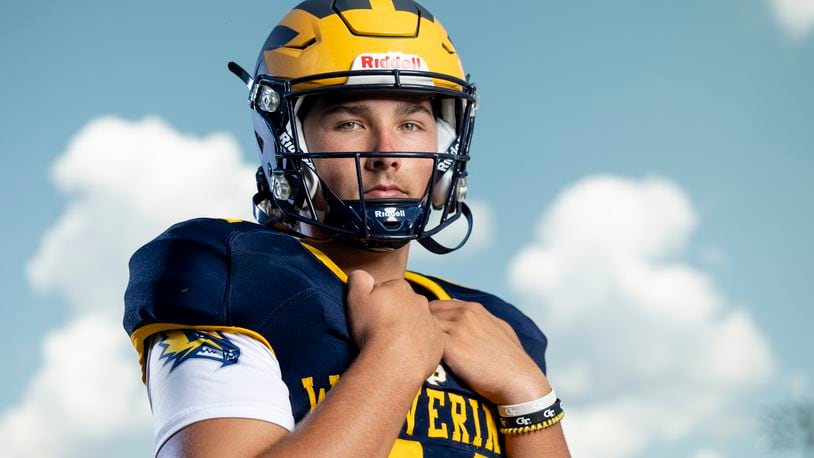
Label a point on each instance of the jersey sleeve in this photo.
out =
(180, 276)
(197, 375)
(179, 280)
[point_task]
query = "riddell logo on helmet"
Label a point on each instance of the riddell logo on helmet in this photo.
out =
(390, 212)
(388, 62)
(285, 142)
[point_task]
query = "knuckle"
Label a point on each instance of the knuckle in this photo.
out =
(475, 306)
(397, 285)
(468, 311)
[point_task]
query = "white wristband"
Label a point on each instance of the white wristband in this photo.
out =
(526, 408)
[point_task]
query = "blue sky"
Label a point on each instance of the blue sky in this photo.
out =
(707, 106)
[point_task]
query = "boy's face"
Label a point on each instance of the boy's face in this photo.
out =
(367, 123)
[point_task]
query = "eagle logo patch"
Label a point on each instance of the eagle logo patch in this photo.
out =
(182, 345)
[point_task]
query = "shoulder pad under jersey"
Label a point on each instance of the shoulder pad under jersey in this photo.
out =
(184, 275)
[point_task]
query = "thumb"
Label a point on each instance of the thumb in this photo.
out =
(360, 285)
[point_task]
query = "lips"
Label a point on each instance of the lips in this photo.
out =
(385, 192)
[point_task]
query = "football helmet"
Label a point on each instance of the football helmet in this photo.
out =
(385, 47)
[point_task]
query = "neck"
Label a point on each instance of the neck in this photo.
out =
(383, 266)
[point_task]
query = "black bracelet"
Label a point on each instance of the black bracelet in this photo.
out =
(533, 421)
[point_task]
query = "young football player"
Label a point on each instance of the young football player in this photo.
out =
(305, 335)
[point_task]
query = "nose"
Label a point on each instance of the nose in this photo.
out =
(383, 141)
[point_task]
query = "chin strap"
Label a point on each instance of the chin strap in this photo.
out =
(437, 248)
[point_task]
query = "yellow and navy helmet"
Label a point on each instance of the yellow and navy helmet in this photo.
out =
(369, 46)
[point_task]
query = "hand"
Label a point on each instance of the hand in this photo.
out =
(485, 352)
(391, 316)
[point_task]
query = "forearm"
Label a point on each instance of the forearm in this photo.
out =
(548, 442)
(362, 415)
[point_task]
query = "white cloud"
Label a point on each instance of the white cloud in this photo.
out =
(125, 183)
(795, 16)
(640, 340)
(88, 390)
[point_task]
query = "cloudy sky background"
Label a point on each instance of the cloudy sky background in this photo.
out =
(641, 176)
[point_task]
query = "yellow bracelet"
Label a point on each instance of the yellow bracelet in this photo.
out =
(532, 428)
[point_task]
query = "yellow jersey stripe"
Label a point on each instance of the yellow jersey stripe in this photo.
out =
(413, 277)
(431, 286)
(328, 262)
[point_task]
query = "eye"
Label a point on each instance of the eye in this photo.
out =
(411, 126)
(348, 125)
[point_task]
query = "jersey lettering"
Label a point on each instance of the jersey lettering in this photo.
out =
(313, 398)
(432, 413)
(410, 423)
(447, 416)
(458, 413)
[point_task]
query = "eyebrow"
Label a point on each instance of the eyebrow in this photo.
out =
(405, 108)
(411, 108)
(355, 110)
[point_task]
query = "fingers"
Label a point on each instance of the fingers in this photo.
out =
(455, 315)
(452, 304)
(455, 310)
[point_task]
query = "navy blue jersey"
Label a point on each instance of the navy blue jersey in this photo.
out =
(236, 276)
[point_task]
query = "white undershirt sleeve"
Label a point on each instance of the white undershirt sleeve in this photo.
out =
(199, 388)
